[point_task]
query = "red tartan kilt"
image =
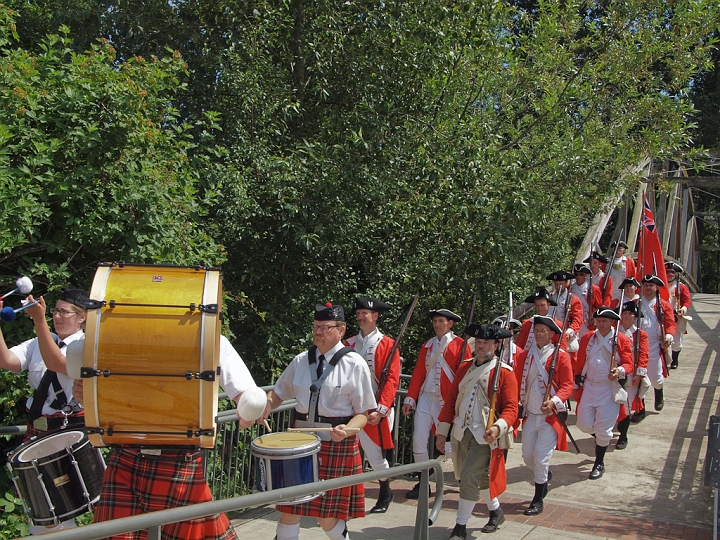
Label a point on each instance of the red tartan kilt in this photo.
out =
(335, 459)
(135, 485)
(30, 431)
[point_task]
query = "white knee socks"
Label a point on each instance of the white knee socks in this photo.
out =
(336, 533)
(492, 504)
(283, 531)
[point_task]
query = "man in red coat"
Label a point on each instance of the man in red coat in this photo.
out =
(477, 439)
(542, 430)
(375, 348)
(561, 281)
(658, 320)
(590, 302)
(431, 381)
(599, 277)
(629, 290)
(605, 356)
(542, 301)
(637, 381)
(680, 301)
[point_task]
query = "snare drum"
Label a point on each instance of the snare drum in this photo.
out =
(58, 477)
(284, 460)
(151, 356)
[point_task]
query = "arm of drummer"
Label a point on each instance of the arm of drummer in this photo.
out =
(8, 359)
(53, 358)
(358, 421)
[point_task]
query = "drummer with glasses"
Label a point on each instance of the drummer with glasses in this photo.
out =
(333, 387)
(52, 404)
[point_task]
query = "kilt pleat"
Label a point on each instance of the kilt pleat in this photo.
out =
(335, 459)
(135, 485)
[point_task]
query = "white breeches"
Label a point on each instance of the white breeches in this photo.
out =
(426, 415)
(597, 411)
(679, 333)
(538, 444)
(373, 452)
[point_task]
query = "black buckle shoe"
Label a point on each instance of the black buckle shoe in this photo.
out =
(597, 471)
(622, 443)
(459, 532)
(384, 499)
(535, 508)
(497, 518)
(414, 493)
(638, 417)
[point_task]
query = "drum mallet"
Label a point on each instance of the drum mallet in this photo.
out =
(23, 284)
(321, 429)
(251, 405)
(8, 314)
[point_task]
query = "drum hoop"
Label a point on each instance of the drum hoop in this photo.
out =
(55, 456)
(86, 507)
(306, 453)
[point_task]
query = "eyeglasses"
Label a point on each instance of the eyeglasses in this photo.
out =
(63, 312)
(322, 328)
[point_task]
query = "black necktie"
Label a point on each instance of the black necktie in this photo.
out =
(319, 371)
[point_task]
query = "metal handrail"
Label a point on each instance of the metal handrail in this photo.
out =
(152, 521)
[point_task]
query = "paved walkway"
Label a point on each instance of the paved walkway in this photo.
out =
(652, 489)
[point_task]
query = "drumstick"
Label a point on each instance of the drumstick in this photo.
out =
(321, 429)
(267, 426)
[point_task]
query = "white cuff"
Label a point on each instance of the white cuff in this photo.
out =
(410, 401)
(443, 428)
(621, 372)
(559, 404)
(502, 425)
(641, 372)
(670, 338)
(382, 409)
(570, 333)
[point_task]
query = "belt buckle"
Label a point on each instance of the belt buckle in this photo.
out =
(41, 423)
(189, 457)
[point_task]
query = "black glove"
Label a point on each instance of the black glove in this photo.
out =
(579, 380)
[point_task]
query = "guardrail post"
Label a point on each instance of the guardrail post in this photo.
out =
(153, 533)
(421, 517)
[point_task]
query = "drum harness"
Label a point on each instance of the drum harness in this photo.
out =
(312, 415)
(35, 416)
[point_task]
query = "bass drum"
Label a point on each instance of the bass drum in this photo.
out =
(58, 476)
(151, 355)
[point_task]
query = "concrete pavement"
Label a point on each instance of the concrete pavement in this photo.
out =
(652, 489)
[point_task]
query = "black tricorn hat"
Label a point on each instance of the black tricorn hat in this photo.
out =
(373, 304)
(560, 275)
(595, 255)
(77, 297)
(500, 321)
(580, 268)
(620, 244)
(547, 321)
(652, 278)
(487, 331)
(605, 312)
(630, 307)
(539, 294)
(445, 313)
(629, 281)
(329, 312)
(670, 265)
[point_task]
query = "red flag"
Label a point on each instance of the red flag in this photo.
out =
(498, 475)
(650, 255)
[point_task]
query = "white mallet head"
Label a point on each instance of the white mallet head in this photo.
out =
(252, 404)
(24, 285)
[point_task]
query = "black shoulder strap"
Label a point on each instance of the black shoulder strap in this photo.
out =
(317, 383)
(41, 394)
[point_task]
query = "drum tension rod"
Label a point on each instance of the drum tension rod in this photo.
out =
(208, 375)
(189, 433)
(205, 308)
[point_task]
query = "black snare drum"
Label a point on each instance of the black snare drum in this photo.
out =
(58, 476)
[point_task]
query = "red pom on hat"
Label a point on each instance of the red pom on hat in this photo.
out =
(328, 304)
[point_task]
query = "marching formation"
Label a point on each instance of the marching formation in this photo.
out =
(599, 345)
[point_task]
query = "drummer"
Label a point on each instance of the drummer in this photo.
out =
(343, 399)
(52, 405)
(137, 481)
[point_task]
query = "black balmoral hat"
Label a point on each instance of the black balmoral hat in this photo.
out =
(329, 312)
(77, 297)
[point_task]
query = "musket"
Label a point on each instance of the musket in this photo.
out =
(660, 314)
(553, 365)
(386, 370)
(617, 334)
(465, 335)
(612, 261)
(511, 362)
(496, 376)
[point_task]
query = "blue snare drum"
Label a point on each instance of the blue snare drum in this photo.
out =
(286, 459)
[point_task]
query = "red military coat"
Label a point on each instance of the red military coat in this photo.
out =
(524, 334)
(452, 358)
(624, 354)
(562, 383)
(386, 397)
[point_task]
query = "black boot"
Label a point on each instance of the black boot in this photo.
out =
(384, 498)
(623, 428)
(414, 493)
(659, 403)
(459, 532)
(674, 363)
(536, 505)
(599, 467)
(497, 518)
